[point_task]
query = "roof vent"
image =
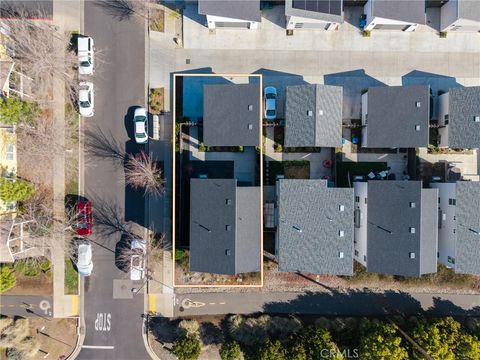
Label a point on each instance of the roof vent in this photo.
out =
(418, 104)
(228, 227)
(411, 255)
(295, 227)
(320, 112)
(227, 252)
(340, 254)
(250, 126)
(476, 118)
(417, 127)
(341, 208)
(411, 230)
(228, 201)
(310, 113)
(341, 233)
(250, 107)
(412, 204)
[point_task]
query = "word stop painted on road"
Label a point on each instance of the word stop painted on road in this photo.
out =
(103, 322)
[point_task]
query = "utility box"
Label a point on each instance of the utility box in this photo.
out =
(156, 127)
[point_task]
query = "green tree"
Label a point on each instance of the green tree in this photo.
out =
(17, 190)
(271, 350)
(187, 348)
(380, 340)
(230, 350)
(468, 347)
(14, 111)
(296, 352)
(7, 279)
(438, 337)
(318, 344)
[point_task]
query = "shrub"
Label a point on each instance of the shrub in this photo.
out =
(31, 269)
(366, 33)
(14, 354)
(15, 111)
(231, 351)
(7, 279)
(443, 34)
(272, 350)
(202, 147)
(156, 100)
(16, 190)
(187, 348)
(296, 352)
(45, 265)
(189, 328)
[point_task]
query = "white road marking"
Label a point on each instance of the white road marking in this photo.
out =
(222, 303)
(97, 347)
(212, 303)
(103, 322)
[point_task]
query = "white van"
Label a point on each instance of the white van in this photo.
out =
(85, 55)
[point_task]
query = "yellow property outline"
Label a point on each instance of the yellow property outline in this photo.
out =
(260, 117)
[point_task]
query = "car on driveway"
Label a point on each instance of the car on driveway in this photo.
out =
(83, 218)
(84, 259)
(85, 99)
(137, 261)
(85, 50)
(140, 123)
(270, 97)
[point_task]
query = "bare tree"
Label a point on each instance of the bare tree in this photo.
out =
(41, 51)
(142, 172)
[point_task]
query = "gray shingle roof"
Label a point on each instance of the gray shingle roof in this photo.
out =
(231, 115)
(310, 219)
(389, 220)
(323, 126)
(224, 227)
(237, 9)
(393, 116)
(467, 258)
(323, 10)
(463, 131)
(469, 9)
(411, 11)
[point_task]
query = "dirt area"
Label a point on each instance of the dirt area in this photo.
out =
(183, 277)
(39, 285)
(57, 338)
(445, 281)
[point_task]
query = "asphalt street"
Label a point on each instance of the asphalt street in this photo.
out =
(113, 314)
(354, 303)
(27, 306)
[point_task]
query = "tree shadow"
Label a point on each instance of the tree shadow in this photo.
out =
(118, 9)
(103, 145)
(107, 217)
(163, 329)
(210, 334)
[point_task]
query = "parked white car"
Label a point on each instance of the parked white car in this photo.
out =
(270, 96)
(85, 52)
(85, 99)
(137, 261)
(84, 260)
(140, 122)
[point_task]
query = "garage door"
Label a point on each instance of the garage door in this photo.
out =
(243, 25)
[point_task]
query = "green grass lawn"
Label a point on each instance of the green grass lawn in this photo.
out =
(355, 169)
(71, 278)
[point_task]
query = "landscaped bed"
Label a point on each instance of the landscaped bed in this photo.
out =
(71, 278)
(295, 169)
(32, 277)
(352, 169)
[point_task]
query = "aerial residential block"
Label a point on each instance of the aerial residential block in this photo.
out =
(459, 118)
(314, 14)
(460, 15)
(231, 115)
(395, 227)
(314, 227)
(225, 227)
(459, 226)
(231, 13)
(396, 116)
(403, 15)
(313, 116)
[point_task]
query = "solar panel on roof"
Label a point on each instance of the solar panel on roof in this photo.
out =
(321, 6)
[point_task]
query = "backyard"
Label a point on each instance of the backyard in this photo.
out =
(346, 171)
(297, 169)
